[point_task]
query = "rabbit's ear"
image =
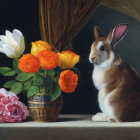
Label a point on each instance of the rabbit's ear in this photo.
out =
(117, 34)
(97, 33)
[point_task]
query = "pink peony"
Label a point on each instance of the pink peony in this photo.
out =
(15, 112)
(11, 110)
(4, 92)
(2, 119)
(2, 108)
(1, 95)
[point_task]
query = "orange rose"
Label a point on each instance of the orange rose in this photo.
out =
(38, 46)
(68, 81)
(48, 59)
(29, 63)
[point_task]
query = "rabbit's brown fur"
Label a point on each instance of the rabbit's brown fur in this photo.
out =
(126, 99)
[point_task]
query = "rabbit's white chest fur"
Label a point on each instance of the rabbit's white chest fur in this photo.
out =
(98, 79)
(99, 71)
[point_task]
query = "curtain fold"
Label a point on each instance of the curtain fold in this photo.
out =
(128, 7)
(61, 20)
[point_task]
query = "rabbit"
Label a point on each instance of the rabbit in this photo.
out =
(117, 83)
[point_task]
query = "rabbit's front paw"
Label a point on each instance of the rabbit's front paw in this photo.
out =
(100, 117)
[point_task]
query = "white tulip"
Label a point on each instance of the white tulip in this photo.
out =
(12, 44)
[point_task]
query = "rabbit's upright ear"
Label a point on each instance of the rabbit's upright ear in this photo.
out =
(117, 34)
(97, 32)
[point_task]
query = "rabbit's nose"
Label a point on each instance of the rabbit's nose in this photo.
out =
(93, 58)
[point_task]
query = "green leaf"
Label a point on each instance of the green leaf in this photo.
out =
(54, 90)
(51, 72)
(5, 71)
(17, 87)
(49, 82)
(9, 84)
(24, 76)
(32, 91)
(27, 85)
(43, 93)
(76, 70)
(38, 80)
(42, 74)
(55, 79)
(15, 65)
(10, 73)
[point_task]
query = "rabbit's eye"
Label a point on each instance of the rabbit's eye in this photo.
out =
(102, 48)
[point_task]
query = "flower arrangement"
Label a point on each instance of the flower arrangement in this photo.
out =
(44, 70)
(11, 109)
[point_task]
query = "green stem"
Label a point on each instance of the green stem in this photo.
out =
(45, 73)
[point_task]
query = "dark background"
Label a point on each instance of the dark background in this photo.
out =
(23, 15)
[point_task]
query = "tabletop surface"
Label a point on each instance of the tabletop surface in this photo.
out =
(71, 121)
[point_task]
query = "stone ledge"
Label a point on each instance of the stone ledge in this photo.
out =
(71, 121)
(70, 127)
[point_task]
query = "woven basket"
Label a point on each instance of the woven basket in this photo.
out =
(43, 110)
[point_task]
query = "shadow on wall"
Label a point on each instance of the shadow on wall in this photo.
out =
(85, 98)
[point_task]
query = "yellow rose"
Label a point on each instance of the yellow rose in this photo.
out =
(67, 59)
(38, 46)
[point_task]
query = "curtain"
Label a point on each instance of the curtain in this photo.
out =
(61, 20)
(128, 7)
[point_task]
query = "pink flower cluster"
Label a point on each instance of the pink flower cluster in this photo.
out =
(11, 109)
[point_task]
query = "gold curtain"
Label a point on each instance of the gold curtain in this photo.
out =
(128, 7)
(61, 20)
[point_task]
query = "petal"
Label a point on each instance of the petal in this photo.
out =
(8, 40)
(7, 50)
(10, 52)
(8, 33)
(76, 59)
(3, 91)
(19, 38)
(2, 47)
(4, 38)
(17, 32)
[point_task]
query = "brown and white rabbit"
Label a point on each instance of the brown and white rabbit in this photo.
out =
(117, 82)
